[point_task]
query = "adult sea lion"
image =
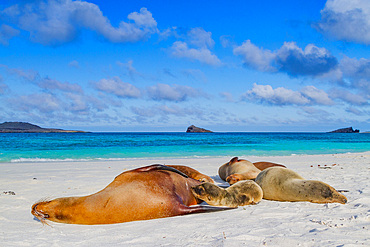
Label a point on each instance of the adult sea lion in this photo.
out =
(236, 170)
(262, 165)
(192, 173)
(149, 192)
(282, 184)
(239, 194)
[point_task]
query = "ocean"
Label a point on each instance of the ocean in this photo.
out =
(38, 147)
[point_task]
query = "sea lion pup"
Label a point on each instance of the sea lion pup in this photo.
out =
(262, 165)
(239, 194)
(192, 173)
(236, 170)
(283, 184)
(145, 193)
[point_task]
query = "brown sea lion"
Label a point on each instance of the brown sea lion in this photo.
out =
(145, 193)
(192, 173)
(282, 184)
(239, 194)
(264, 165)
(236, 170)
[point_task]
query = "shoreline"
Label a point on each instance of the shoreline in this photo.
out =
(269, 223)
(94, 160)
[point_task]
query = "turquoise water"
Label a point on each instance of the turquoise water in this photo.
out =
(16, 147)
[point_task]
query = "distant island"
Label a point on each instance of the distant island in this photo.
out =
(194, 129)
(345, 130)
(20, 127)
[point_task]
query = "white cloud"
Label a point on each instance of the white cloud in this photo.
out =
(51, 85)
(200, 38)
(74, 64)
(56, 22)
(43, 102)
(116, 87)
(312, 60)
(3, 88)
(348, 97)
(7, 33)
(180, 49)
(28, 75)
(227, 96)
(317, 95)
(196, 46)
(291, 59)
(282, 96)
(347, 20)
(255, 57)
(174, 93)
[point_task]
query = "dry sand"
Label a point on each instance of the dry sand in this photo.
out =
(268, 223)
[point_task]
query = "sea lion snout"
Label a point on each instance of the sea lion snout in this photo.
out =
(38, 212)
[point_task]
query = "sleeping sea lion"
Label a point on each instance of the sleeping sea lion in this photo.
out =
(236, 170)
(282, 184)
(239, 194)
(145, 193)
(192, 173)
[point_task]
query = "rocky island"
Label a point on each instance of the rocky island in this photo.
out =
(21, 127)
(345, 130)
(194, 129)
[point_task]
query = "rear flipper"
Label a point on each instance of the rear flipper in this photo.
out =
(183, 209)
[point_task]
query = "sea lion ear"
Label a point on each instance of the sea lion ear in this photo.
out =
(233, 160)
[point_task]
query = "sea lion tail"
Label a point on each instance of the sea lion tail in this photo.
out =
(201, 209)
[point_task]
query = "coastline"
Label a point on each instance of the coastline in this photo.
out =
(268, 223)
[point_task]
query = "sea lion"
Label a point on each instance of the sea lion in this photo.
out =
(236, 170)
(262, 165)
(282, 184)
(192, 173)
(145, 193)
(239, 194)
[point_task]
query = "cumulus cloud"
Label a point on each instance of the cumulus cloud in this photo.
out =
(7, 33)
(283, 96)
(291, 59)
(171, 93)
(355, 73)
(51, 85)
(28, 75)
(43, 102)
(116, 87)
(310, 61)
(180, 49)
(256, 58)
(3, 88)
(347, 20)
(74, 64)
(317, 95)
(196, 46)
(348, 97)
(228, 97)
(51, 22)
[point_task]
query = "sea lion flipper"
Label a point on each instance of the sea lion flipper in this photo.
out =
(160, 167)
(201, 209)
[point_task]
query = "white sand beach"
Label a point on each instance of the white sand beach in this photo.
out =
(269, 223)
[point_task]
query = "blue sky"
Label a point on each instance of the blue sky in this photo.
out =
(164, 65)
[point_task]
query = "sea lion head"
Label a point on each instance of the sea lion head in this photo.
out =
(328, 193)
(207, 192)
(233, 178)
(51, 210)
